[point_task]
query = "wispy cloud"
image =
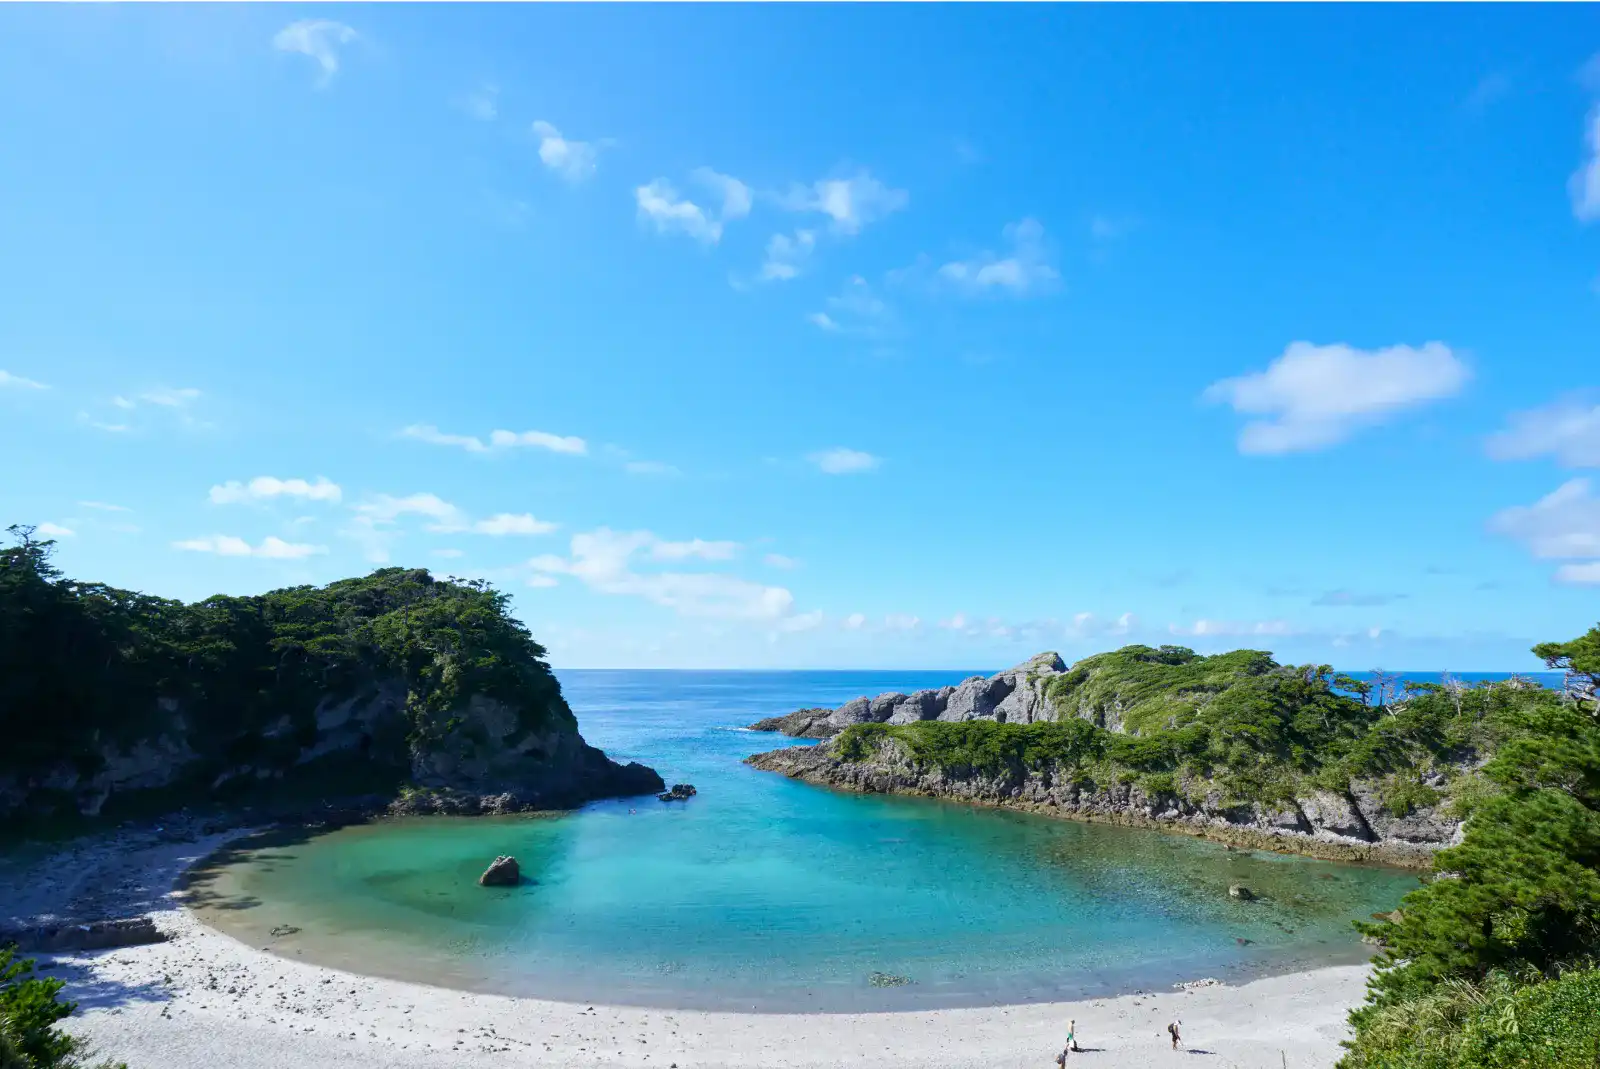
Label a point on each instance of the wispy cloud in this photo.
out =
(572, 160)
(1023, 269)
(271, 547)
(385, 508)
(101, 506)
(849, 202)
(318, 39)
(787, 256)
(482, 103)
(17, 382)
(55, 530)
(1568, 430)
(1314, 396)
(855, 310)
(555, 443)
(267, 487)
(616, 562)
(1562, 525)
(1337, 598)
(507, 523)
(662, 207)
(778, 560)
(842, 461)
(1231, 628)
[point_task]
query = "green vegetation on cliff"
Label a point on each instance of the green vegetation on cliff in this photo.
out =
(85, 667)
(1179, 723)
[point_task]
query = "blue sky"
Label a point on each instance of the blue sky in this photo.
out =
(822, 336)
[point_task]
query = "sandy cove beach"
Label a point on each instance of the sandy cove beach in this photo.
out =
(203, 1000)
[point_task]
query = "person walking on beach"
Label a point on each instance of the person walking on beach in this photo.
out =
(1172, 1030)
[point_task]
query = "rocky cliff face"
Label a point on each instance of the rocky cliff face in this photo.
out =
(1344, 826)
(1015, 696)
(486, 761)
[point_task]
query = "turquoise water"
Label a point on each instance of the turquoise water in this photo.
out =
(766, 893)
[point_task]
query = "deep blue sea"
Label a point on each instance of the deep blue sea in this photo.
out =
(767, 893)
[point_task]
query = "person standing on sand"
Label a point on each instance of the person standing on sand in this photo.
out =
(1172, 1030)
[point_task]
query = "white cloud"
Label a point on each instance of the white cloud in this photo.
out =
(778, 560)
(854, 622)
(1562, 525)
(855, 310)
(805, 621)
(17, 382)
(320, 39)
(55, 530)
(1088, 625)
(542, 581)
(101, 506)
(694, 548)
(957, 622)
(1569, 430)
(787, 256)
(482, 103)
(448, 554)
(650, 467)
(506, 523)
(1585, 182)
(736, 196)
(851, 203)
(271, 547)
(1229, 628)
(264, 487)
(660, 205)
(1579, 574)
(1314, 396)
(572, 160)
(169, 398)
(842, 461)
(902, 622)
(605, 560)
(1025, 270)
(384, 508)
(555, 443)
(109, 428)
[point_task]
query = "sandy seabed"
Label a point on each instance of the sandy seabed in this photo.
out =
(203, 1000)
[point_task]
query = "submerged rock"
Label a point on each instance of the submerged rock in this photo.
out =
(502, 872)
(883, 979)
(681, 792)
(1241, 892)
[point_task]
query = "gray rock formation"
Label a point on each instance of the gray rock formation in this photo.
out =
(681, 792)
(95, 935)
(502, 872)
(1346, 826)
(486, 764)
(1015, 696)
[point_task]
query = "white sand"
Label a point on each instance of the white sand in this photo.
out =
(204, 1000)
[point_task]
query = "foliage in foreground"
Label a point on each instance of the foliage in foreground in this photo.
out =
(1492, 961)
(84, 665)
(30, 1008)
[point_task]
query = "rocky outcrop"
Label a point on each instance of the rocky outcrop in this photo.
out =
(1339, 826)
(681, 792)
(502, 872)
(488, 761)
(95, 935)
(1015, 696)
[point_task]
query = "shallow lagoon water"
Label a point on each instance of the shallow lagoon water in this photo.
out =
(765, 893)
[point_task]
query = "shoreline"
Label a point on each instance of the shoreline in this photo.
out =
(203, 998)
(1410, 858)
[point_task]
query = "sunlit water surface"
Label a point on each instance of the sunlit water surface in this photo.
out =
(765, 893)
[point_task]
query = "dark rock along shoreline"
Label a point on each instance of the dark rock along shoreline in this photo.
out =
(1350, 825)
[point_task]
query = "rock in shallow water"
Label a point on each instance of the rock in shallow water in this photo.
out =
(681, 792)
(1241, 892)
(502, 872)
